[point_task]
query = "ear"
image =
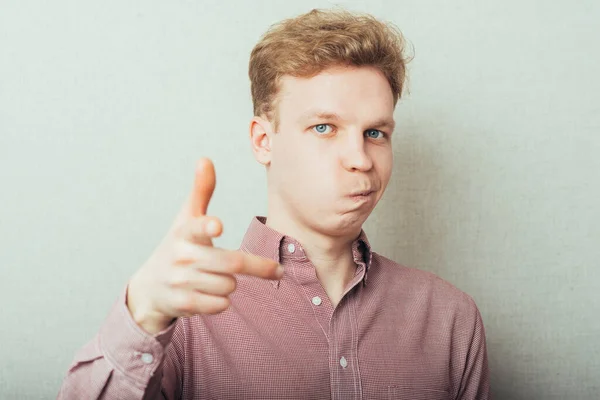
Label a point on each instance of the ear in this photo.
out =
(261, 132)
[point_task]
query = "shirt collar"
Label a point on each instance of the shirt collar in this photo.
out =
(264, 241)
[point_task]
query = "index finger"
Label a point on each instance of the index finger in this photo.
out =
(260, 267)
(223, 261)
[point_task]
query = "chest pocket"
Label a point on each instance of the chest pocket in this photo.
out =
(407, 393)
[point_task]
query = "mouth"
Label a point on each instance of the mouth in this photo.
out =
(362, 196)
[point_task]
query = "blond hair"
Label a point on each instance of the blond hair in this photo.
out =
(309, 43)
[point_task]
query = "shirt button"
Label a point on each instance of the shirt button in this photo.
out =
(316, 301)
(147, 358)
(343, 362)
(291, 248)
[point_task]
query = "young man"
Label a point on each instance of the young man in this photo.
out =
(305, 309)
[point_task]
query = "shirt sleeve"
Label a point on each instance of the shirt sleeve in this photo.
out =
(475, 382)
(123, 361)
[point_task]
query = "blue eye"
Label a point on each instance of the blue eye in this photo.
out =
(322, 128)
(370, 132)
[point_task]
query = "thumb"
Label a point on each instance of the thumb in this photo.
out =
(203, 188)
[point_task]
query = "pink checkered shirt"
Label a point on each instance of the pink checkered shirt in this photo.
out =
(402, 333)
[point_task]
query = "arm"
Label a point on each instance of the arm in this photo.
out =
(125, 362)
(475, 383)
(138, 352)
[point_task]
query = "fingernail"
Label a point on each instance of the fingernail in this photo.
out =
(212, 227)
(279, 271)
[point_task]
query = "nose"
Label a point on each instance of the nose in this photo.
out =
(353, 153)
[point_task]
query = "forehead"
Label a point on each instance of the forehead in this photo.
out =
(350, 92)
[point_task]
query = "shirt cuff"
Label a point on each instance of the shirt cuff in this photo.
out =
(130, 349)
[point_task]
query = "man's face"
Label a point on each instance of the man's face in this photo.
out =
(334, 141)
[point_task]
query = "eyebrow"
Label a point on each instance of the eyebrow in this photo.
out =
(331, 116)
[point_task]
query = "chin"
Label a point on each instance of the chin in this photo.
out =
(346, 224)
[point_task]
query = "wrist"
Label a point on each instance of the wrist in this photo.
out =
(144, 316)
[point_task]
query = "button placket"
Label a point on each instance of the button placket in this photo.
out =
(344, 362)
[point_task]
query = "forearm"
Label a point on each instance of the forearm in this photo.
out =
(121, 361)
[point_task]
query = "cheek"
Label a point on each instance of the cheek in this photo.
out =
(293, 164)
(383, 164)
(387, 174)
(283, 154)
(306, 164)
(386, 165)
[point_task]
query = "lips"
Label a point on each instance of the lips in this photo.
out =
(361, 193)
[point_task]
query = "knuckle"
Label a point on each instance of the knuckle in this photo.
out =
(179, 279)
(232, 284)
(197, 227)
(218, 305)
(225, 302)
(186, 304)
(198, 231)
(235, 263)
(184, 251)
(228, 285)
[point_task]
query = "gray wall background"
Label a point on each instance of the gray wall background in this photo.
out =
(105, 106)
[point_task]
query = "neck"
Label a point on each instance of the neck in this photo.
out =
(330, 255)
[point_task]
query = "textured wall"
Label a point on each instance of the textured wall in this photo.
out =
(105, 106)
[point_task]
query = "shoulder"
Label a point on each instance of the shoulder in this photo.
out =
(419, 284)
